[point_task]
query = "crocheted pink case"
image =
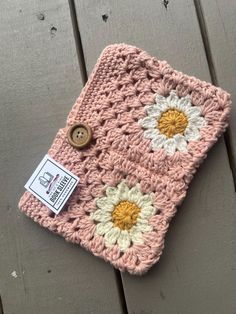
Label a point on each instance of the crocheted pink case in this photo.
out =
(152, 126)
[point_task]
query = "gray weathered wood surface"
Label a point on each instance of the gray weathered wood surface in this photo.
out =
(40, 79)
(221, 28)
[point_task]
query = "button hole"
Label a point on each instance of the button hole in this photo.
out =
(99, 168)
(71, 220)
(82, 158)
(51, 214)
(98, 153)
(125, 132)
(86, 170)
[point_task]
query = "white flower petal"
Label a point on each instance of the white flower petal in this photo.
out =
(103, 227)
(142, 221)
(193, 112)
(108, 208)
(198, 122)
(163, 106)
(182, 104)
(111, 191)
(162, 103)
(103, 201)
(147, 212)
(151, 133)
(192, 134)
(111, 236)
(134, 194)
(144, 227)
(107, 203)
(158, 141)
(172, 99)
(122, 187)
(145, 200)
(179, 107)
(122, 191)
(185, 103)
(173, 104)
(153, 111)
(172, 94)
(100, 215)
(148, 122)
(181, 143)
(170, 146)
(160, 99)
(124, 240)
(136, 235)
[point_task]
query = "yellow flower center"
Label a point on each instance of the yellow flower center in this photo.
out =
(172, 122)
(125, 215)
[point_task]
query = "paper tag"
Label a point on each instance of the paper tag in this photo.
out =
(52, 184)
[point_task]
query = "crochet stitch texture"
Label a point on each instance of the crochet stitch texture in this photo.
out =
(152, 127)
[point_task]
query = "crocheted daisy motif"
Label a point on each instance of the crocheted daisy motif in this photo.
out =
(123, 216)
(172, 122)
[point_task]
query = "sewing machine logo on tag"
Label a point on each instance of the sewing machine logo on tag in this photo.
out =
(52, 184)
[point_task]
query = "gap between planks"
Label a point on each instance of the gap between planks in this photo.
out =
(1, 306)
(84, 75)
(78, 42)
(208, 52)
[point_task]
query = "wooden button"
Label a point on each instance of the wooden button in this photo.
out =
(79, 135)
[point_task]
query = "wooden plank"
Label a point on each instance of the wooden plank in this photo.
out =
(145, 24)
(198, 264)
(221, 29)
(39, 82)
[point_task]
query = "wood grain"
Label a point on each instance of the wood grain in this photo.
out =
(39, 82)
(196, 273)
(221, 29)
(146, 24)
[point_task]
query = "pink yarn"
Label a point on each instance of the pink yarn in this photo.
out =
(124, 80)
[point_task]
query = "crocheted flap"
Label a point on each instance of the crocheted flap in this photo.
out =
(152, 126)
